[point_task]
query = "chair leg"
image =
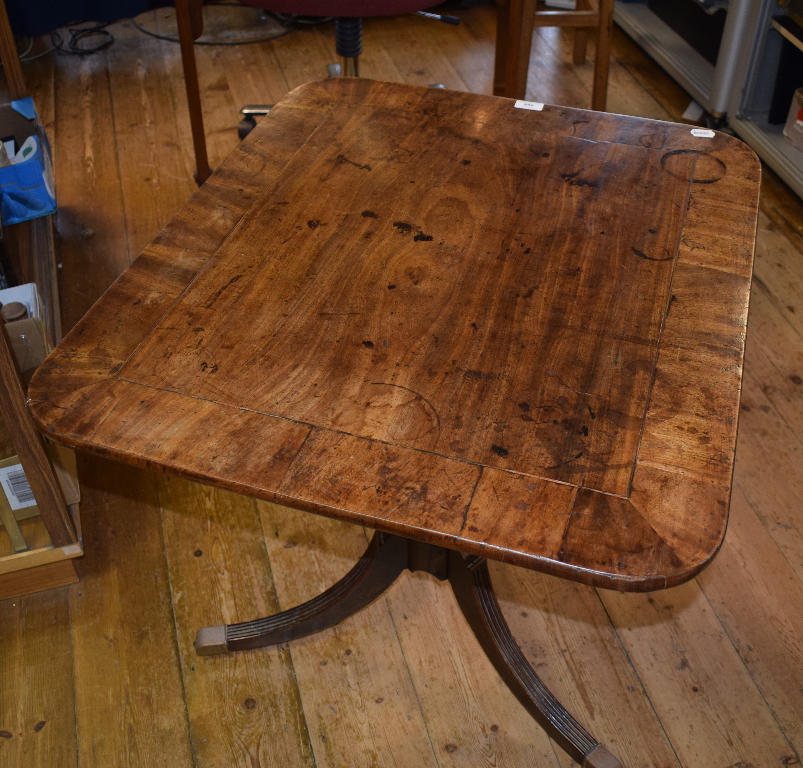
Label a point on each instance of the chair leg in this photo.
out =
(602, 62)
(501, 50)
(580, 43)
(187, 20)
(581, 35)
(348, 41)
(514, 37)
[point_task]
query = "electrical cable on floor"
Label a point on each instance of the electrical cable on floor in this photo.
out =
(76, 43)
(287, 20)
(37, 55)
(78, 36)
(212, 42)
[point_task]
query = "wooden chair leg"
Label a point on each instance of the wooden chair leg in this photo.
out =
(189, 28)
(501, 52)
(581, 35)
(602, 61)
(514, 36)
(580, 43)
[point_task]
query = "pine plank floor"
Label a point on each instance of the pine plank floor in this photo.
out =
(102, 674)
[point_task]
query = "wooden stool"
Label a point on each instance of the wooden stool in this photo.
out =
(515, 22)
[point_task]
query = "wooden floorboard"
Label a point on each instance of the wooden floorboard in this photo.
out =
(103, 673)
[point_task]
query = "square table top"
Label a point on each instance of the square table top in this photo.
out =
(512, 332)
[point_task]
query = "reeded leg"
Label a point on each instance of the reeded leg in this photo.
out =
(385, 558)
(475, 596)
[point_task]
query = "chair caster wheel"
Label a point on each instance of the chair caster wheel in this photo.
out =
(245, 126)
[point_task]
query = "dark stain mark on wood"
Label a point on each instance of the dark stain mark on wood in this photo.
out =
(466, 162)
(796, 379)
(250, 703)
(653, 140)
(474, 374)
(499, 450)
(369, 344)
(524, 406)
(216, 295)
(573, 180)
(6, 735)
(403, 227)
(391, 286)
(314, 223)
(707, 170)
(643, 255)
(369, 215)
(421, 237)
(417, 395)
(38, 727)
(343, 159)
(576, 123)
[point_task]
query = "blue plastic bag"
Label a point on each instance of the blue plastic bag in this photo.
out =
(26, 188)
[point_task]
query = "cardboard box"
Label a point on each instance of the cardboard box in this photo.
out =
(26, 186)
(30, 345)
(17, 501)
(793, 130)
(28, 337)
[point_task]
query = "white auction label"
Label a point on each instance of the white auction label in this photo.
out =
(702, 133)
(537, 106)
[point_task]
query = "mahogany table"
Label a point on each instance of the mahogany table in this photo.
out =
(483, 329)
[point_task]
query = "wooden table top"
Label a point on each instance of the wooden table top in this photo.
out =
(516, 333)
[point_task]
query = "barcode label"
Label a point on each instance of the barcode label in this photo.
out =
(16, 487)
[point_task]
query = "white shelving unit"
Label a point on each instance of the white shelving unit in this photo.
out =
(709, 85)
(749, 104)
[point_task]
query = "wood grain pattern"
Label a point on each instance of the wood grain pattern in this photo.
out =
(37, 578)
(413, 337)
(10, 58)
(361, 687)
(471, 719)
(37, 700)
(129, 697)
(688, 660)
(243, 710)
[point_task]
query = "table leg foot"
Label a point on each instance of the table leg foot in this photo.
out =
(385, 558)
(471, 583)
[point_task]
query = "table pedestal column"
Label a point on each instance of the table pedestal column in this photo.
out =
(386, 557)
